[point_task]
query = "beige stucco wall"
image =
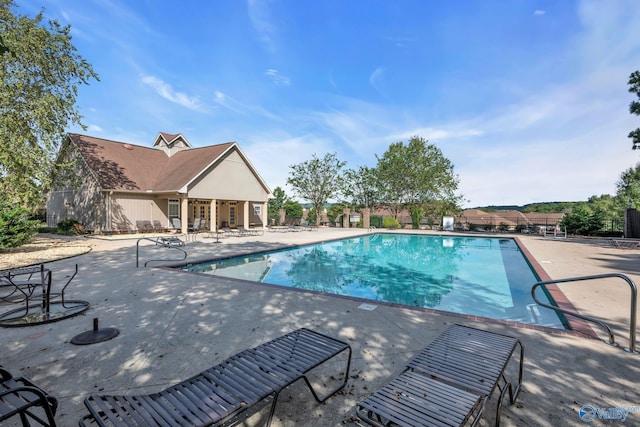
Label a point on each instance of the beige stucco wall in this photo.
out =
(128, 208)
(231, 179)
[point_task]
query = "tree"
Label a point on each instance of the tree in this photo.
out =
(40, 72)
(634, 107)
(276, 203)
(317, 180)
(335, 211)
(293, 209)
(417, 177)
(583, 220)
(628, 187)
(360, 187)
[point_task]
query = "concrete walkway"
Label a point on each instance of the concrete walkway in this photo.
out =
(174, 325)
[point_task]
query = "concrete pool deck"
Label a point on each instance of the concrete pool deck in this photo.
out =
(173, 325)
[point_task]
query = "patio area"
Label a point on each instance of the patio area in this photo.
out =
(174, 325)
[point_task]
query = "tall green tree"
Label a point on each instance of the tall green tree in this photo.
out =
(584, 219)
(418, 177)
(360, 187)
(276, 203)
(40, 72)
(317, 180)
(634, 107)
(628, 187)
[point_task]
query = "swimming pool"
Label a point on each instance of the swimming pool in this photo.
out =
(480, 276)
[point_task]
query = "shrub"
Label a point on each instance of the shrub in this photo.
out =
(69, 226)
(503, 227)
(16, 228)
(583, 221)
(392, 223)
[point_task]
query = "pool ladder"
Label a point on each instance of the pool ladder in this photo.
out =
(602, 324)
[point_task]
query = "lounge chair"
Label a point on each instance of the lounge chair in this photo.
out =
(624, 243)
(19, 396)
(447, 383)
(157, 226)
(228, 391)
(195, 226)
(230, 232)
(144, 226)
(169, 241)
(123, 228)
(176, 224)
(247, 231)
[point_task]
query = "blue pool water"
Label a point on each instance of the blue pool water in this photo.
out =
(487, 277)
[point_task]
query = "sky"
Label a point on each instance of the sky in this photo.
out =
(527, 98)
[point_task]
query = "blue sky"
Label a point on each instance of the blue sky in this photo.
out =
(528, 98)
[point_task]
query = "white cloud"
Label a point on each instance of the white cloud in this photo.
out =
(277, 78)
(94, 128)
(166, 91)
(272, 154)
(375, 77)
(539, 12)
(260, 17)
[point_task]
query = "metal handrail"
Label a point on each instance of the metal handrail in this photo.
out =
(158, 242)
(632, 317)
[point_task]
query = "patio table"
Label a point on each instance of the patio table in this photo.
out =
(42, 308)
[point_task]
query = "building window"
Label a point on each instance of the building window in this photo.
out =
(174, 209)
(257, 210)
(232, 215)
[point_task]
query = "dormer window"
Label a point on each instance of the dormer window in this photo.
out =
(171, 143)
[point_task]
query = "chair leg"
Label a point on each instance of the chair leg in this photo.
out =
(513, 395)
(340, 387)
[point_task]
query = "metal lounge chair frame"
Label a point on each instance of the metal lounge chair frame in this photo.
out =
(228, 391)
(248, 231)
(19, 396)
(448, 382)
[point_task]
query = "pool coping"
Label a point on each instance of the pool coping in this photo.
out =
(578, 327)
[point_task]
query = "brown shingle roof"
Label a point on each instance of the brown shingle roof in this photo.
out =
(122, 166)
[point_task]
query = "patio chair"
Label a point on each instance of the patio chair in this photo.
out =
(169, 241)
(195, 226)
(230, 232)
(144, 226)
(247, 231)
(123, 228)
(227, 392)
(20, 397)
(449, 381)
(157, 226)
(176, 224)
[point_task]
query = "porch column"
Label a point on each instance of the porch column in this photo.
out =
(345, 218)
(213, 219)
(245, 213)
(265, 214)
(184, 214)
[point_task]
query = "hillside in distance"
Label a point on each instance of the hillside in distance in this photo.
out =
(548, 207)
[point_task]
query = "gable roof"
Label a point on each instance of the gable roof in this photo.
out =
(128, 167)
